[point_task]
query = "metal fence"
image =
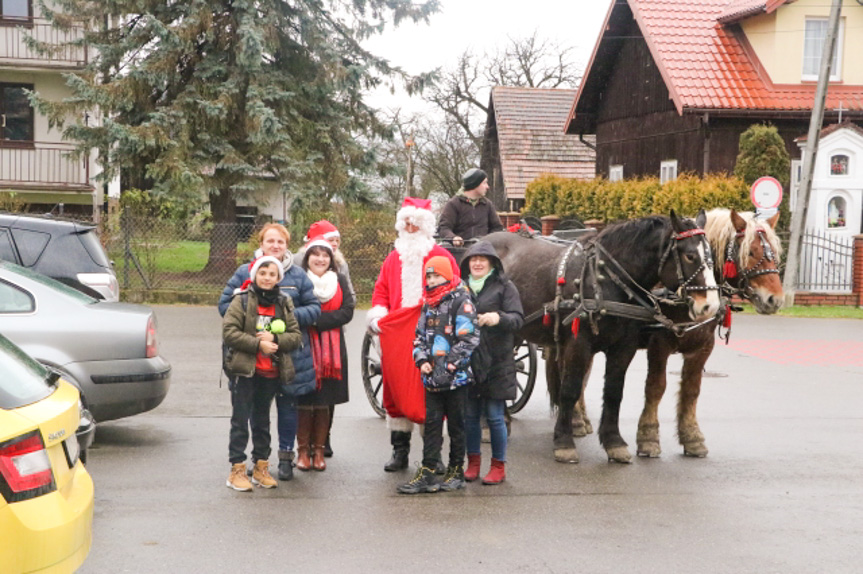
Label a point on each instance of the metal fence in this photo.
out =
(153, 256)
(826, 263)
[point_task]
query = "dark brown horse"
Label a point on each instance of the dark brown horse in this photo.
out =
(606, 283)
(747, 253)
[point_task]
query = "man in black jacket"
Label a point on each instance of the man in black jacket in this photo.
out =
(469, 214)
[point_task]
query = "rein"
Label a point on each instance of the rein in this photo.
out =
(603, 265)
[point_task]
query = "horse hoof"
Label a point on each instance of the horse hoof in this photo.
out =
(568, 455)
(579, 431)
(588, 428)
(695, 450)
(649, 449)
(619, 454)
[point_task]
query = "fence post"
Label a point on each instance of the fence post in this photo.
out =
(857, 277)
(127, 232)
(549, 223)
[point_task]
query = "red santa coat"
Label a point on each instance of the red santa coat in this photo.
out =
(400, 287)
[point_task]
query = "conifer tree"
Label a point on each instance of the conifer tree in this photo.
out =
(216, 95)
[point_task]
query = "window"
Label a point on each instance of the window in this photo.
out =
(615, 173)
(836, 212)
(813, 45)
(16, 114)
(667, 171)
(15, 300)
(15, 10)
(839, 165)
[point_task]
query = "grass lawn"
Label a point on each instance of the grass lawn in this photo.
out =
(821, 312)
(178, 257)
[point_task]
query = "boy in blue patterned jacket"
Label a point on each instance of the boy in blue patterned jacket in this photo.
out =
(446, 336)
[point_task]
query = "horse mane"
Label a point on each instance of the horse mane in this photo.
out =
(628, 235)
(720, 232)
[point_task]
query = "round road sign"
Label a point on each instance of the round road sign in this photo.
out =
(766, 193)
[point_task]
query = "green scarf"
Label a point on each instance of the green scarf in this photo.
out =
(476, 285)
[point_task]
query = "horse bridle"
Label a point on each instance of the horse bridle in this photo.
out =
(732, 252)
(684, 283)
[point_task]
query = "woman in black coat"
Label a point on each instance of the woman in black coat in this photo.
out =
(500, 315)
(329, 352)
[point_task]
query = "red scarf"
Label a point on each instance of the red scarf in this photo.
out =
(326, 345)
(433, 295)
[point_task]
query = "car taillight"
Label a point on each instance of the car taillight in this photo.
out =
(152, 347)
(25, 469)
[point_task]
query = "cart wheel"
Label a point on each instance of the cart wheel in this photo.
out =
(373, 379)
(525, 374)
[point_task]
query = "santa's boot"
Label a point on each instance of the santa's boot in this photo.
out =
(401, 442)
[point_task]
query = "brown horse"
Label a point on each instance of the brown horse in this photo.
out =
(747, 253)
(601, 280)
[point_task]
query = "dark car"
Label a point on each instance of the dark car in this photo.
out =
(68, 251)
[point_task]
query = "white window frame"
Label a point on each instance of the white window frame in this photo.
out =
(796, 176)
(667, 171)
(835, 69)
(615, 172)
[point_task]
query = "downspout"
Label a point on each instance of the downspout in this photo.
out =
(585, 142)
(705, 122)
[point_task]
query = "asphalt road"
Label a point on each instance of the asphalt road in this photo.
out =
(781, 490)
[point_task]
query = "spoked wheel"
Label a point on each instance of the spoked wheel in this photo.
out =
(373, 379)
(525, 374)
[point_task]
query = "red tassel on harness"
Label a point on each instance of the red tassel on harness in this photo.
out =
(729, 270)
(546, 320)
(575, 325)
(726, 321)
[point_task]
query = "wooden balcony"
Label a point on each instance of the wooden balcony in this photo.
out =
(14, 52)
(43, 166)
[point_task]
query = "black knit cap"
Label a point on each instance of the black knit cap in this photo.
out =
(472, 178)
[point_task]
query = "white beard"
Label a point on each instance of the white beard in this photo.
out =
(412, 249)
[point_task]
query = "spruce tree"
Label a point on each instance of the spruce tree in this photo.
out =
(215, 95)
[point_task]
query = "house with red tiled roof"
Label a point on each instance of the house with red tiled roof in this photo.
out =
(672, 84)
(524, 138)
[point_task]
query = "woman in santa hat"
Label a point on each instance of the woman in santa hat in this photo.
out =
(400, 284)
(274, 239)
(329, 352)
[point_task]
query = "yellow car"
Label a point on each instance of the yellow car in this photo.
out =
(46, 494)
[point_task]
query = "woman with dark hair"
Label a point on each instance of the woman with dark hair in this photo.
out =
(274, 239)
(500, 315)
(329, 353)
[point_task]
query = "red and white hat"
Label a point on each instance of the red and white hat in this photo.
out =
(322, 228)
(256, 264)
(418, 212)
(319, 241)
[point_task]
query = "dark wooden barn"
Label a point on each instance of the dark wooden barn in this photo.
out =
(524, 138)
(672, 85)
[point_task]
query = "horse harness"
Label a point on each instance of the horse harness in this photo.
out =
(730, 269)
(603, 265)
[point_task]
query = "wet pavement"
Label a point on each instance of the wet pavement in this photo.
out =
(781, 490)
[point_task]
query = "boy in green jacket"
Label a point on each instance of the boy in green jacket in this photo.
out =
(260, 331)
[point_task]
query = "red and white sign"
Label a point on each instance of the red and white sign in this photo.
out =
(766, 193)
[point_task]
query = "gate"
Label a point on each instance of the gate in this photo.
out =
(826, 262)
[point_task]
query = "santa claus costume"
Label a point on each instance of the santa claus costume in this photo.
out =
(400, 285)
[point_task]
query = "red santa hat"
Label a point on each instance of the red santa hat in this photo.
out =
(418, 212)
(322, 228)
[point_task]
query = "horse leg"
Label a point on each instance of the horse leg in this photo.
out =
(617, 361)
(572, 365)
(647, 438)
(581, 425)
(688, 432)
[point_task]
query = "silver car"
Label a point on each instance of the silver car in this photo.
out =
(107, 350)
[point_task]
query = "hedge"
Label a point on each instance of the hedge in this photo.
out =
(613, 201)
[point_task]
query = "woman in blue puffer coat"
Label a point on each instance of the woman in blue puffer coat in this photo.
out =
(274, 239)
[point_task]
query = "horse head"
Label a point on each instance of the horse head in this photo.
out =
(749, 252)
(686, 266)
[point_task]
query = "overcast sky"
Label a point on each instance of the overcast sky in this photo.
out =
(483, 25)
